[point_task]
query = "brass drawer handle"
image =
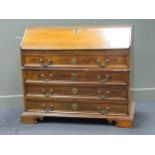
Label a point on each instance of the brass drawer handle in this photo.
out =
(74, 91)
(44, 64)
(103, 111)
(74, 76)
(75, 106)
(103, 96)
(49, 62)
(41, 61)
(49, 77)
(47, 108)
(103, 80)
(104, 64)
(47, 93)
(42, 76)
(74, 61)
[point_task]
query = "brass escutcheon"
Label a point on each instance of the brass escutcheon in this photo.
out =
(74, 61)
(74, 76)
(74, 91)
(75, 106)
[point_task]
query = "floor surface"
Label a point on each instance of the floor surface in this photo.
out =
(10, 123)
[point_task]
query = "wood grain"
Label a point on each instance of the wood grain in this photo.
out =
(77, 38)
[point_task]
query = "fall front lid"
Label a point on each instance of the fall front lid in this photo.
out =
(118, 37)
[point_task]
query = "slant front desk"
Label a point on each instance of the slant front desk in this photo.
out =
(83, 72)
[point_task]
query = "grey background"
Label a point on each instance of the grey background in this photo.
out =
(144, 54)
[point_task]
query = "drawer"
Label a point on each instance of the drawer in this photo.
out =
(77, 91)
(49, 60)
(105, 108)
(96, 76)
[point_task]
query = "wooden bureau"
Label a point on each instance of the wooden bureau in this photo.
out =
(83, 72)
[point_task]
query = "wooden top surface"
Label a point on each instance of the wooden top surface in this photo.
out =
(65, 38)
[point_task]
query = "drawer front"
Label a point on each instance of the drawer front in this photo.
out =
(44, 76)
(102, 61)
(77, 107)
(76, 91)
